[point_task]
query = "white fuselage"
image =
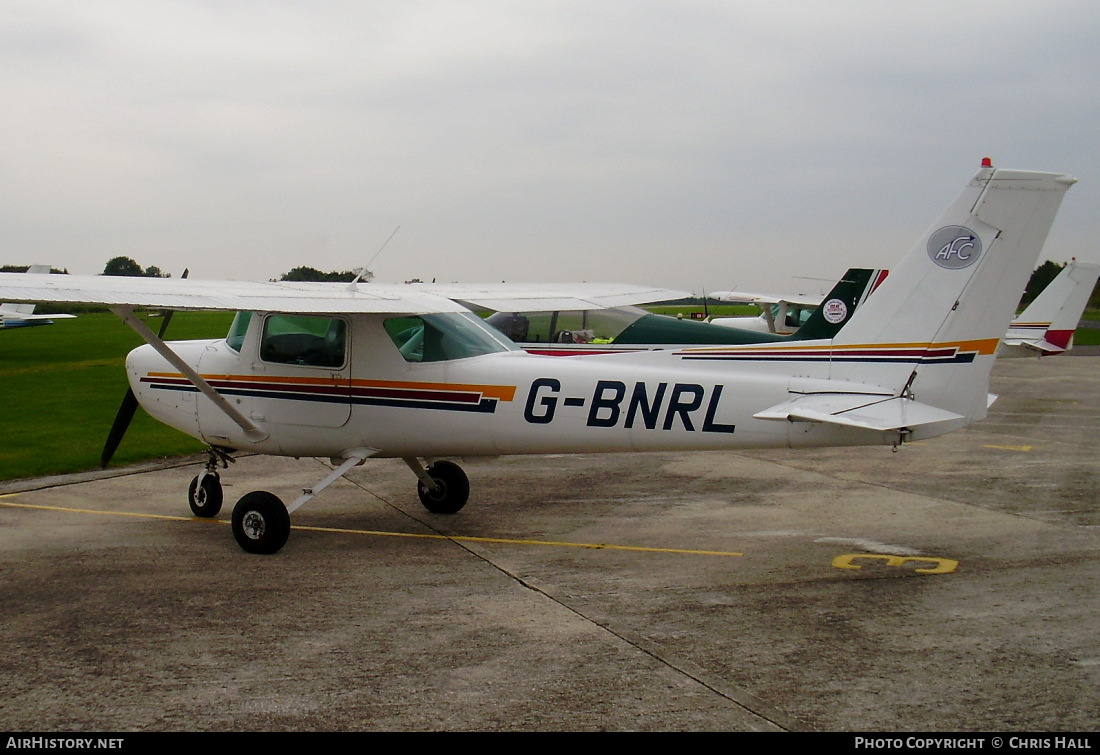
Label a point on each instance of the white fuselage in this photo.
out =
(500, 403)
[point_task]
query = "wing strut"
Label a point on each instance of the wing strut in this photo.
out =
(351, 458)
(251, 430)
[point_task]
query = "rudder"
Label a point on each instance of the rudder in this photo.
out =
(933, 327)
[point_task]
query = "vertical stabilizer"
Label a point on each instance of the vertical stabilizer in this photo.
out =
(1048, 323)
(932, 328)
(838, 307)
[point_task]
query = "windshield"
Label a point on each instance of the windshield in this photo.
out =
(444, 336)
(235, 339)
(796, 314)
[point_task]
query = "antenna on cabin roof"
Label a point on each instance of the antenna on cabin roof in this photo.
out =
(363, 273)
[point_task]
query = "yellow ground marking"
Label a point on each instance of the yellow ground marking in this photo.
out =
(73, 510)
(1008, 448)
(936, 565)
(380, 533)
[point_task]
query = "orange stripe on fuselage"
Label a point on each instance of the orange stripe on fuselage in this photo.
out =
(501, 392)
(982, 346)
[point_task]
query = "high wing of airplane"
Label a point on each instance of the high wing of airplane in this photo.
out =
(586, 331)
(353, 372)
(22, 315)
(1046, 326)
(512, 297)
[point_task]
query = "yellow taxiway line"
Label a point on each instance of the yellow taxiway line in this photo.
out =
(380, 533)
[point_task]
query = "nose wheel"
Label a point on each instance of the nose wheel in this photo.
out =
(204, 495)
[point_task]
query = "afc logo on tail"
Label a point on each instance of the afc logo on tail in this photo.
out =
(954, 247)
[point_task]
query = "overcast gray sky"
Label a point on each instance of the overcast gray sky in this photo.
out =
(693, 144)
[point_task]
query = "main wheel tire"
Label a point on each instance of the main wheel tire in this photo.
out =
(261, 523)
(205, 501)
(453, 490)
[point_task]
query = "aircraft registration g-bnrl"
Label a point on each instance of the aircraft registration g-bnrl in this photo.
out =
(353, 372)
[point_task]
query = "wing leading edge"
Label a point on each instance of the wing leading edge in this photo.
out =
(304, 298)
(194, 294)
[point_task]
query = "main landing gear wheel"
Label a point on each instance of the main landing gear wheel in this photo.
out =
(452, 492)
(205, 500)
(261, 523)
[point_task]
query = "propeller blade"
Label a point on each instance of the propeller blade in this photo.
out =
(118, 429)
(129, 406)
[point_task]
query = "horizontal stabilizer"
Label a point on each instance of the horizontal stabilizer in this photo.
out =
(1041, 347)
(8, 308)
(867, 412)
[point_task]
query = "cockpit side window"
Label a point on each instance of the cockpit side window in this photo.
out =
(305, 340)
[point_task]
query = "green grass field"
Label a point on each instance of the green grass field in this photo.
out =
(61, 385)
(1087, 337)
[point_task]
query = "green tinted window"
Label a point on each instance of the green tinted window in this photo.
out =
(444, 336)
(235, 339)
(305, 340)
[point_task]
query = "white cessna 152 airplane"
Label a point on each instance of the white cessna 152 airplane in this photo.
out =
(354, 371)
